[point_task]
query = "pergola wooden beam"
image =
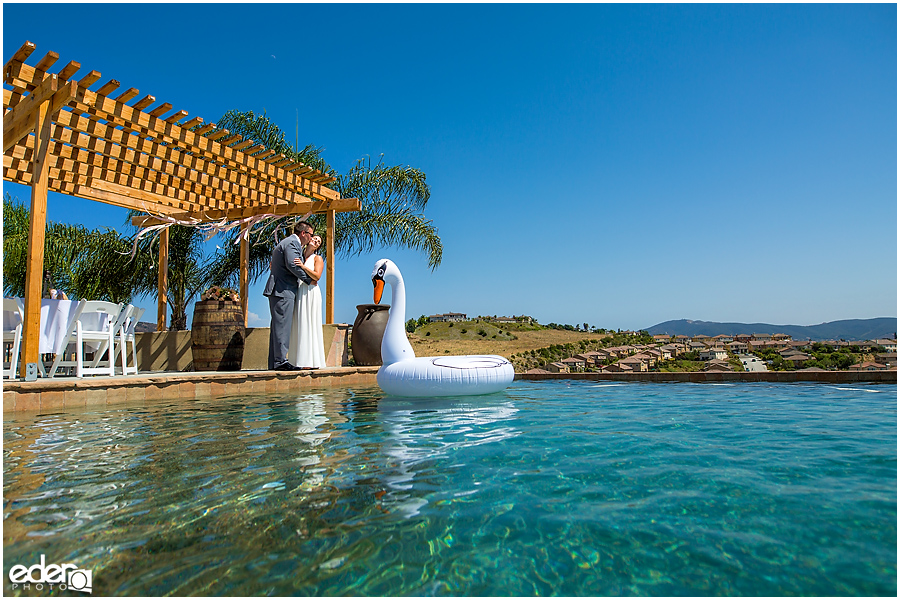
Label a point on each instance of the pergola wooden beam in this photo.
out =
(61, 136)
(234, 214)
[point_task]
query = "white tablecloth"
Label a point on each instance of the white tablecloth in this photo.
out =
(55, 317)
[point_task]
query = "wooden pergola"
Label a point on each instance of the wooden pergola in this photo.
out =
(59, 135)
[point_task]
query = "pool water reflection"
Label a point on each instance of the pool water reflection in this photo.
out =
(551, 488)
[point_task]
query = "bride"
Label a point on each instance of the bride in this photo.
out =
(306, 348)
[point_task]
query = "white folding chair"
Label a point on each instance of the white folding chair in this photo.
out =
(92, 322)
(124, 313)
(13, 320)
(126, 335)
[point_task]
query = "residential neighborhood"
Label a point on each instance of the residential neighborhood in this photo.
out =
(729, 353)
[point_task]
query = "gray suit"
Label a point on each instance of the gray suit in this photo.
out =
(281, 289)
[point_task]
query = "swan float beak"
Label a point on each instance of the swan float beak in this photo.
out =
(378, 279)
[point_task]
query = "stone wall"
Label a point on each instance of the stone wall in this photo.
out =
(171, 350)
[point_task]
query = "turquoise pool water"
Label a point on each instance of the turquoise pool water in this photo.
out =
(551, 488)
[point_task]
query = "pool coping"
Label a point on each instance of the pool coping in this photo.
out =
(63, 393)
(58, 394)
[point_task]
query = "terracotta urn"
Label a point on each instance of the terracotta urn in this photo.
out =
(368, 330)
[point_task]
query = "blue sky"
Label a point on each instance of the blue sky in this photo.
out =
(620, 165)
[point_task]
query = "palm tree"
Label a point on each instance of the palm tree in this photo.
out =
(392, 200)
(84, 263)
(188, 269)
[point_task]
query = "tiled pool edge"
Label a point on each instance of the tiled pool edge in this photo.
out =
(59, 394)
(726, 376)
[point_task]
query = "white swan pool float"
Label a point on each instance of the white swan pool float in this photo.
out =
(402, 374)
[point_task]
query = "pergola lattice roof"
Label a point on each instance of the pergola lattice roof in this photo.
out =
(102, 148)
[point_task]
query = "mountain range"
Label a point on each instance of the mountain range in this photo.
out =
(848, 329)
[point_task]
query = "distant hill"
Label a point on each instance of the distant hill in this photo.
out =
(849, 329)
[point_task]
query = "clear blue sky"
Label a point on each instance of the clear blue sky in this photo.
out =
(620, 165)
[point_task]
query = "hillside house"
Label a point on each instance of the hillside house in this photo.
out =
(558, 367)
(620, 351)
(717, 366)
(800, 344)
(796, 358)
(645, 357)
(714, 353)
(601, 356)
(451, 317)
(617, 368)
(590, 358)
(888, 344)
(868, 366)
(574, 364)
(887, 358)
(673, 351)
(696, 347)
(760, 345)
(636, 363)
(662, 337)
(737, 347)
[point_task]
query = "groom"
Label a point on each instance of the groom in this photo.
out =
(281, 289)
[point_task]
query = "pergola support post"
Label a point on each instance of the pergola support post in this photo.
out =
(34, 268)
(162, 281)
(245, 272)
(329, 269)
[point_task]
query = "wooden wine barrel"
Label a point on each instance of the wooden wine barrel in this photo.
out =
(217, 336)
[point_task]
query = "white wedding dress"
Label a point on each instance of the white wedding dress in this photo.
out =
(306, 348)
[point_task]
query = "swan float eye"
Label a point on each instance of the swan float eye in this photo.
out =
(379, 271)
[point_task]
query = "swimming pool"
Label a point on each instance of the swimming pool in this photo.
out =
(550, 488)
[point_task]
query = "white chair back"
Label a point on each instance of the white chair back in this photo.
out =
(136, 315)
(13, 313)
(13, 323)
(99, 316)
(125, 337)
(117, 330)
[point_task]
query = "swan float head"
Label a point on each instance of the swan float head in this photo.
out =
(395, 346)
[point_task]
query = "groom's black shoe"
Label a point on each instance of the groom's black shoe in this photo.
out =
(286, 366)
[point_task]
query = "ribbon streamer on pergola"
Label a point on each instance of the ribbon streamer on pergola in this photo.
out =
(120, 148)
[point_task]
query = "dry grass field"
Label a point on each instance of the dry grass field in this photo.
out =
(445, 340)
